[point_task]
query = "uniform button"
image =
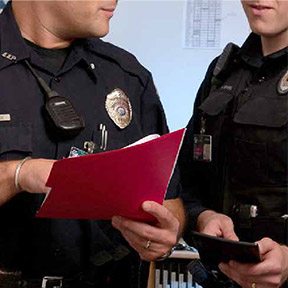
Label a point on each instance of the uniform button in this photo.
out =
(262, 79)
(57, 79)
(92, 66)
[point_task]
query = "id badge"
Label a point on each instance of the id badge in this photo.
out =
(202, 150)
(76, 152)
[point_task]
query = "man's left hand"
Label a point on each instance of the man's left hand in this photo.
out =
(151, 242)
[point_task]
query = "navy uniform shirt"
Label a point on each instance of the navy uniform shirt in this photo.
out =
(91, 70)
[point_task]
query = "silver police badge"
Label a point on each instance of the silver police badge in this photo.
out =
(118, 107)
(283, 84)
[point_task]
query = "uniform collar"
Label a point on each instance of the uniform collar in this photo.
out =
(251, 52)
(80, 53)
(11, 40)
(12, 43)
(77, 54)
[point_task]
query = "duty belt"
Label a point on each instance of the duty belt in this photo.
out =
(14, 279)
(249, 223)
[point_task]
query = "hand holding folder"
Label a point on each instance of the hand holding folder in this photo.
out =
(99, 186)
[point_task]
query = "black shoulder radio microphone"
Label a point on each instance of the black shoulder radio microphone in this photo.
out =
(61, 114)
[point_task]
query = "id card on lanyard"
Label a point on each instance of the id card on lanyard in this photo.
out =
(202, 144)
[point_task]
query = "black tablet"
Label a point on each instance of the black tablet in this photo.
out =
(213, 250)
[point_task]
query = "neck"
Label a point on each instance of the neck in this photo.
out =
(273, 44)
(37, 26)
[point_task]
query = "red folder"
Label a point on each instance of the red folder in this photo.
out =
(99, 186)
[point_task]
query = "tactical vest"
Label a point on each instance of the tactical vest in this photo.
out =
(247, 119)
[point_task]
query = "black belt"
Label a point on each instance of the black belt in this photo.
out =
(14, 279)
(46, 282)
(253, 227)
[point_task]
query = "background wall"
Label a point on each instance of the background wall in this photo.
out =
(153, 30)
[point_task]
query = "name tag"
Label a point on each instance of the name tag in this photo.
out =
(5, 117)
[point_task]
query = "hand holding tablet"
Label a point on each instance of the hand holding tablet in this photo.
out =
(213, 250)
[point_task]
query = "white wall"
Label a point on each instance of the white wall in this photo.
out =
(152, 30)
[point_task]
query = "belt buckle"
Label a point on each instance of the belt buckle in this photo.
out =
(46, 282)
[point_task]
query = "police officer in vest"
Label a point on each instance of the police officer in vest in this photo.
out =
(51, 54)
(234, 158)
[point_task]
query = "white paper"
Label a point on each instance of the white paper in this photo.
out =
(211, 24)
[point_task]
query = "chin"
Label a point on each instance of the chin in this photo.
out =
(265, 33)
(92, 34)
(98, 33)
(261, 31)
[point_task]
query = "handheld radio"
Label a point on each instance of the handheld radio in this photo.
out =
(60, 112)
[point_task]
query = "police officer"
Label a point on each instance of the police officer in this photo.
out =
(49, 49)
(234, 159)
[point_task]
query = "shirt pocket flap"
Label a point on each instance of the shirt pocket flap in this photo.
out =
(268, 112)
(216, 103)
(15, 138)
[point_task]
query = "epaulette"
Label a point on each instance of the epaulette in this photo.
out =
(224, 64)
(124, 59)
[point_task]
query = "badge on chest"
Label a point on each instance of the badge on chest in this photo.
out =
(119, 108)
(283, 84)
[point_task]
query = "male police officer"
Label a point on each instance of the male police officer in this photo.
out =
(51, 40)
(242, 171)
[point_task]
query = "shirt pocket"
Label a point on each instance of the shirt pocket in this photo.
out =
(15, 141)
(265, 112)
(216, 103)
(260, 142)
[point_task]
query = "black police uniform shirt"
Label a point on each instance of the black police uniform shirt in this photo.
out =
(247, 118)
(91, 70)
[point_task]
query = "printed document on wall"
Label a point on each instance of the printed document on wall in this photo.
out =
(211, 24)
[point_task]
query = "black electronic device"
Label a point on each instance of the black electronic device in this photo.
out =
(63, 116)
(213, 250)
(60, 112)
(224, 64)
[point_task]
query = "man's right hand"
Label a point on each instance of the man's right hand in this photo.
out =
(216, 224)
